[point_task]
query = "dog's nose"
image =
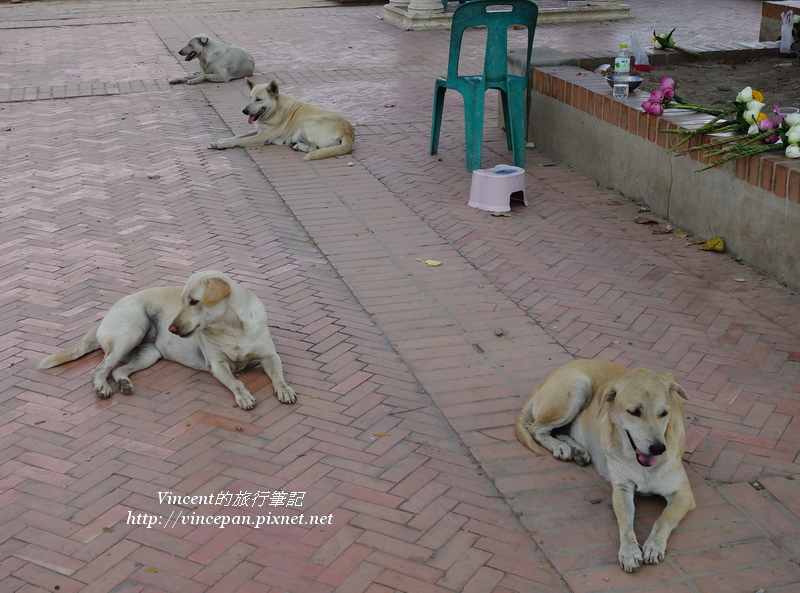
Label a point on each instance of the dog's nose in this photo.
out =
(657, 449)
(245, 111)
(173, 329)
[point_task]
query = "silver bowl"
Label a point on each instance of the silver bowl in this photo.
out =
(632, 79)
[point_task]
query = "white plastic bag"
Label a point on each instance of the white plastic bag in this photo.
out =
(787, 23)
(641, 63)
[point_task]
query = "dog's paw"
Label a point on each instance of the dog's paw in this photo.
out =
(219, 145)
(581, 456)
(654, 551)
(630, 558)
(125, 386)
(286, 395)
(562, 451)
(103, 391)
(245, 400)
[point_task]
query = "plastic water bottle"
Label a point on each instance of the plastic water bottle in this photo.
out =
(622, 69)
(622, 63)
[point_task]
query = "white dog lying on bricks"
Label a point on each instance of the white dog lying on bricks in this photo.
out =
(218, 62)
(210, 324)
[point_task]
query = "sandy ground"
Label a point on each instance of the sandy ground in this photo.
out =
(704, 83)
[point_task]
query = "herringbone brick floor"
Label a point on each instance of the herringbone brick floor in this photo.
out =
(402, 431)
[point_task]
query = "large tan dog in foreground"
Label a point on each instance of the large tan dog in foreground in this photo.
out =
(629, 423)
(210, 324)
(282, 119)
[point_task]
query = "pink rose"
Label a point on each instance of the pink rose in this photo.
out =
(657, 97)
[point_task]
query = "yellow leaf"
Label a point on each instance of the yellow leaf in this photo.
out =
(714, 244)
(150, 569)
(108, 530)
(432, 262)
(681, 234)
(381, 434)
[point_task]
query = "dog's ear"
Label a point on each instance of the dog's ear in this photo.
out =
(272, 89)
(608, 395)
(250, 83)
(202, 39)
(674, 386)
(217, 290)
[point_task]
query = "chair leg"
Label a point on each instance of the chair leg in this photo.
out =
(474, 103)
(436, 121)
(516, 133)
(506, 117)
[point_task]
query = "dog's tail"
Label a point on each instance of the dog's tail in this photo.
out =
(346, 146)
(86, 345)
(522, 431)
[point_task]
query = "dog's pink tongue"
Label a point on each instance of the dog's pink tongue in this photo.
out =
(645, 460)
(251, 119)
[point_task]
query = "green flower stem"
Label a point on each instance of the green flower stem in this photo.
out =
(686, 51)
(715, 144)
(744, 152)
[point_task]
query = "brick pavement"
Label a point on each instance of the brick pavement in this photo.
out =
(402, 433)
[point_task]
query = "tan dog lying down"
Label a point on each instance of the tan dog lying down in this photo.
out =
(210, 324)
(282, 119)
(629, 423)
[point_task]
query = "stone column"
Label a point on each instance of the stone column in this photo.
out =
(417, 14)
(401, 5)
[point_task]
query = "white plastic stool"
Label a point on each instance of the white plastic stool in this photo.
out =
(492, 189)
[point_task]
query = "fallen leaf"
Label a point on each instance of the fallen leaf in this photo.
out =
(740, 279)
(431, 262)
(714, 244)
(108, 530)
(681, 234)
(150, 569)
(351, 164)
(501, 213)
(381, 434)
(644, 220)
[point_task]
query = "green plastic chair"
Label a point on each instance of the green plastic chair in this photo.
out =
(497, 18)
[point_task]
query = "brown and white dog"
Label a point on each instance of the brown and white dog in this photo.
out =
(629, 424)
(211, 324)
(282, 119)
